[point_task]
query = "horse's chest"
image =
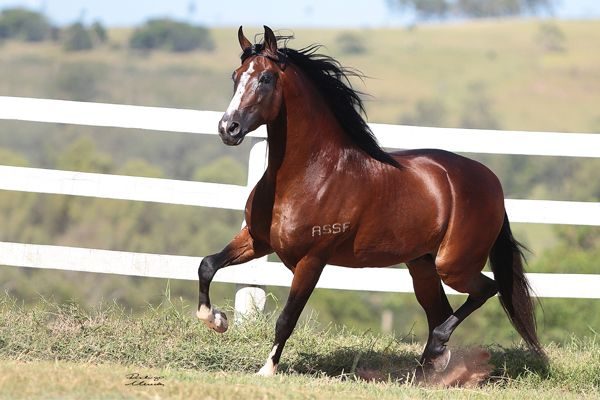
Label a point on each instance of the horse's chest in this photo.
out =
(290, 225)
(275, 220)
(301, 227)
(303, 220)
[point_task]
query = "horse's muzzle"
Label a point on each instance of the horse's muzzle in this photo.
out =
(231, 130)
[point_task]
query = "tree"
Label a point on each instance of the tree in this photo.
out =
(222, 170)
(550, 37)
(489, 8)
(83, 156)
(428, 9)
(171, 35)
(351, 43)
(424, 9)
(99, 31)
(19, 23)
(77, 38)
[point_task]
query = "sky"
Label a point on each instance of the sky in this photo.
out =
(309, 13)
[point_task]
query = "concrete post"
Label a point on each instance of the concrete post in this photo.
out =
(251, 298)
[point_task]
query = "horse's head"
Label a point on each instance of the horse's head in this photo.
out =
(257, 89)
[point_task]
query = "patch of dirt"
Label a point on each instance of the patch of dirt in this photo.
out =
(467, 368)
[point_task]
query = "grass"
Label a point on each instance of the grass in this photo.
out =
(65, 380)
(62, 351)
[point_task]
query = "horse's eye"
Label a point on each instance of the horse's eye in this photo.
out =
(265, 78)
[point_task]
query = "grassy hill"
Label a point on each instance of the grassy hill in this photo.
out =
(527, 85)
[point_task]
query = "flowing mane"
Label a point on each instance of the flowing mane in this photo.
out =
(333, 82)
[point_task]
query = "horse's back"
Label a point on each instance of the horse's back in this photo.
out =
(465, 176)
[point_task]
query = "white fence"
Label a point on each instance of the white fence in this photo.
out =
(262, 272)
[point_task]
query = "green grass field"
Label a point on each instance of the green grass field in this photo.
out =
(61, 351)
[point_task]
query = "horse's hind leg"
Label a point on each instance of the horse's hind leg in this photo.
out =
(430, 295)
(241, 249)
(479, 288)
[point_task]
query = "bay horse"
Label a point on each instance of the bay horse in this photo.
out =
(331, 194)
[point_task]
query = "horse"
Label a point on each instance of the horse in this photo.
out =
(332, 195)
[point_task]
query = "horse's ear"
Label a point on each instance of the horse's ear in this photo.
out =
(244, 42)
(270, 41)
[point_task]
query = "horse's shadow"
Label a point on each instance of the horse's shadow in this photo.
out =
(347, 362)
(503, 364)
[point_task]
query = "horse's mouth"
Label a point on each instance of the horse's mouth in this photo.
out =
(232, 140)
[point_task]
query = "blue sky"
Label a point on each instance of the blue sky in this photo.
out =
(335, 13)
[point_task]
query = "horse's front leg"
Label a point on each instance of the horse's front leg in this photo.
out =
(241, 249)
(306, 274)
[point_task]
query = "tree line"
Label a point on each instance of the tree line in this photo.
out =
(165, 34)
(441, 9)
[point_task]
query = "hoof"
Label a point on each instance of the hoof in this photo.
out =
(213, 318)
(220, 323)
(441, 362)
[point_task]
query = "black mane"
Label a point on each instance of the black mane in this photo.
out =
(333, 82)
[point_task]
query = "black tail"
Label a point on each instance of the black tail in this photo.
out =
(506, 259)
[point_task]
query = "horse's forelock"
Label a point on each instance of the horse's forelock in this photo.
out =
(257, 49)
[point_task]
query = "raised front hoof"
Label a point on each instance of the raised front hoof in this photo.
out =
(214, 319)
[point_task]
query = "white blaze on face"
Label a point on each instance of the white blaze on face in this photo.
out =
(241, 89)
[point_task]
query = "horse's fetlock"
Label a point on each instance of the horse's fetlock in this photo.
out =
(440, 335)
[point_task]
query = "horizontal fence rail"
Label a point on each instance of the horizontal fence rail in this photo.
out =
(205, 194)
(233, 197)
(257, 272)
(262, 272)
(392, 136)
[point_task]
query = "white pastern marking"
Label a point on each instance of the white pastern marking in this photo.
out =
(204, 313)
(269, 369)
(213, 318)
(241, 89)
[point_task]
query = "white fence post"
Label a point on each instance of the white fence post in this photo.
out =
(250, 299)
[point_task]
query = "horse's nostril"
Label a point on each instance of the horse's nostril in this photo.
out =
(233, 128)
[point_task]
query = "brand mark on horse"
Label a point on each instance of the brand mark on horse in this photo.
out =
(330, 229)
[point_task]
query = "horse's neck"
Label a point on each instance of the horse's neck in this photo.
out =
(304, 133)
